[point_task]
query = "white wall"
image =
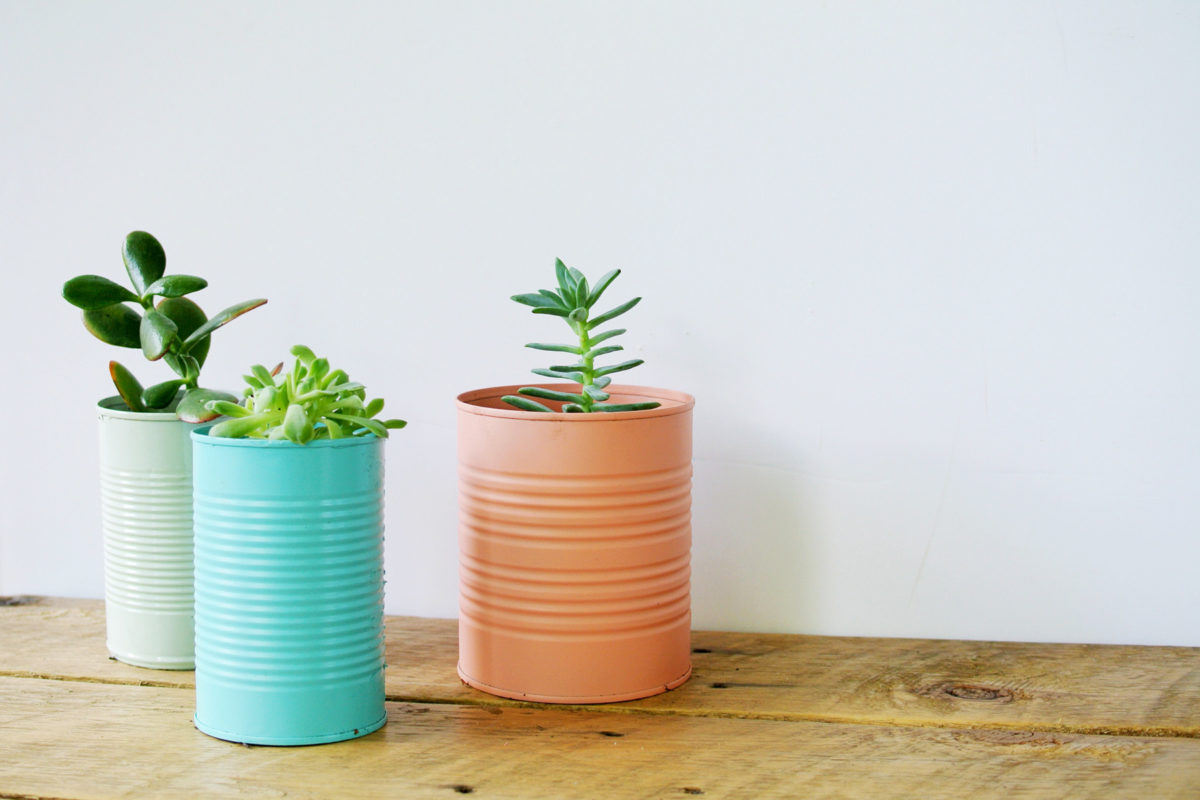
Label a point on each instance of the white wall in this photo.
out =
(931, 270)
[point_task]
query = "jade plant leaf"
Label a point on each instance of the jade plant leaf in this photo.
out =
(176, 285)
(127, 386)
(95, 291)
(219, 319)
(187, 317)
(116, 324)
(144, 259)
(193, 406)
(160, 395)
(157, 332)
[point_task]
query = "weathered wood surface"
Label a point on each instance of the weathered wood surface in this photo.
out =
(1137, 691)
(69, 739)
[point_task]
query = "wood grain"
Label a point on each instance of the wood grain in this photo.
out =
(1137, 691)
(97, 741)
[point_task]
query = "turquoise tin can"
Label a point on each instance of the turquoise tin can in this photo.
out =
(289, 589)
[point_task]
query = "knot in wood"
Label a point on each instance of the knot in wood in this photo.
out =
(971, 691)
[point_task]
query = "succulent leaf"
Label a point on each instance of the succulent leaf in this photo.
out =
(537, 300)
(219, 319)
(557, 348)
(144, 260)
(187, 317)
(558, 312)
(297, 426)
(161, 395)
(596, 352)
(577, 377)
(616, 312)
(600, 286)
(334, 427)
(598, 395)
(265, 378)
(595, 340)
(227, 409)
(303, 353)
(239, 427)
(94, 291)
(551, 394)
(564, 281)
(127, 385)
(117, 325)
(157, 333)
(525, 404)
(624, 365)
(194, 405)
(175, 285)
(626, 406)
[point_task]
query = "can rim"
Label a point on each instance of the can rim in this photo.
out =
(116, 408)
(673, 403)
(200, 436)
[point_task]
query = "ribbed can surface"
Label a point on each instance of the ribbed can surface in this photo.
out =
(289, 589)
(146, 517)
(574, 548)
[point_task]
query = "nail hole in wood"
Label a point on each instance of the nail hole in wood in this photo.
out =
(701, 650)
(719, 685)
(692, 790)
(462, 788)
(613, 734)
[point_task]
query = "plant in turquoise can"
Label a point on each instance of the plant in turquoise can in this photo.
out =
(173, 329)
(573, 300)
(311, 401)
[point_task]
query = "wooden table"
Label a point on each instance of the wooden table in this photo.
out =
(763, 716)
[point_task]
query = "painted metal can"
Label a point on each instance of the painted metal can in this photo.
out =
(146, 518)
(575, 548)
(289, 589)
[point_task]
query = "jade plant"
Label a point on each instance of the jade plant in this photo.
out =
(310, 402)
(174, 329)
(573, 301)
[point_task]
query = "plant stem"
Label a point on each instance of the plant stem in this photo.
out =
(585, 343)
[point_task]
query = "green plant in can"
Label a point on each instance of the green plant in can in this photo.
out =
(311, 401)
(174, 329)
(573, 300)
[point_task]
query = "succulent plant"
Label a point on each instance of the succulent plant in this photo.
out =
(310, 402)
(174, 330)
(573, 301)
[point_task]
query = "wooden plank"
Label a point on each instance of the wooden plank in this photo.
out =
(1129, 690)
(95, 741)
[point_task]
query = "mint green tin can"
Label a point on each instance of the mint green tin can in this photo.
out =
(289, 589)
